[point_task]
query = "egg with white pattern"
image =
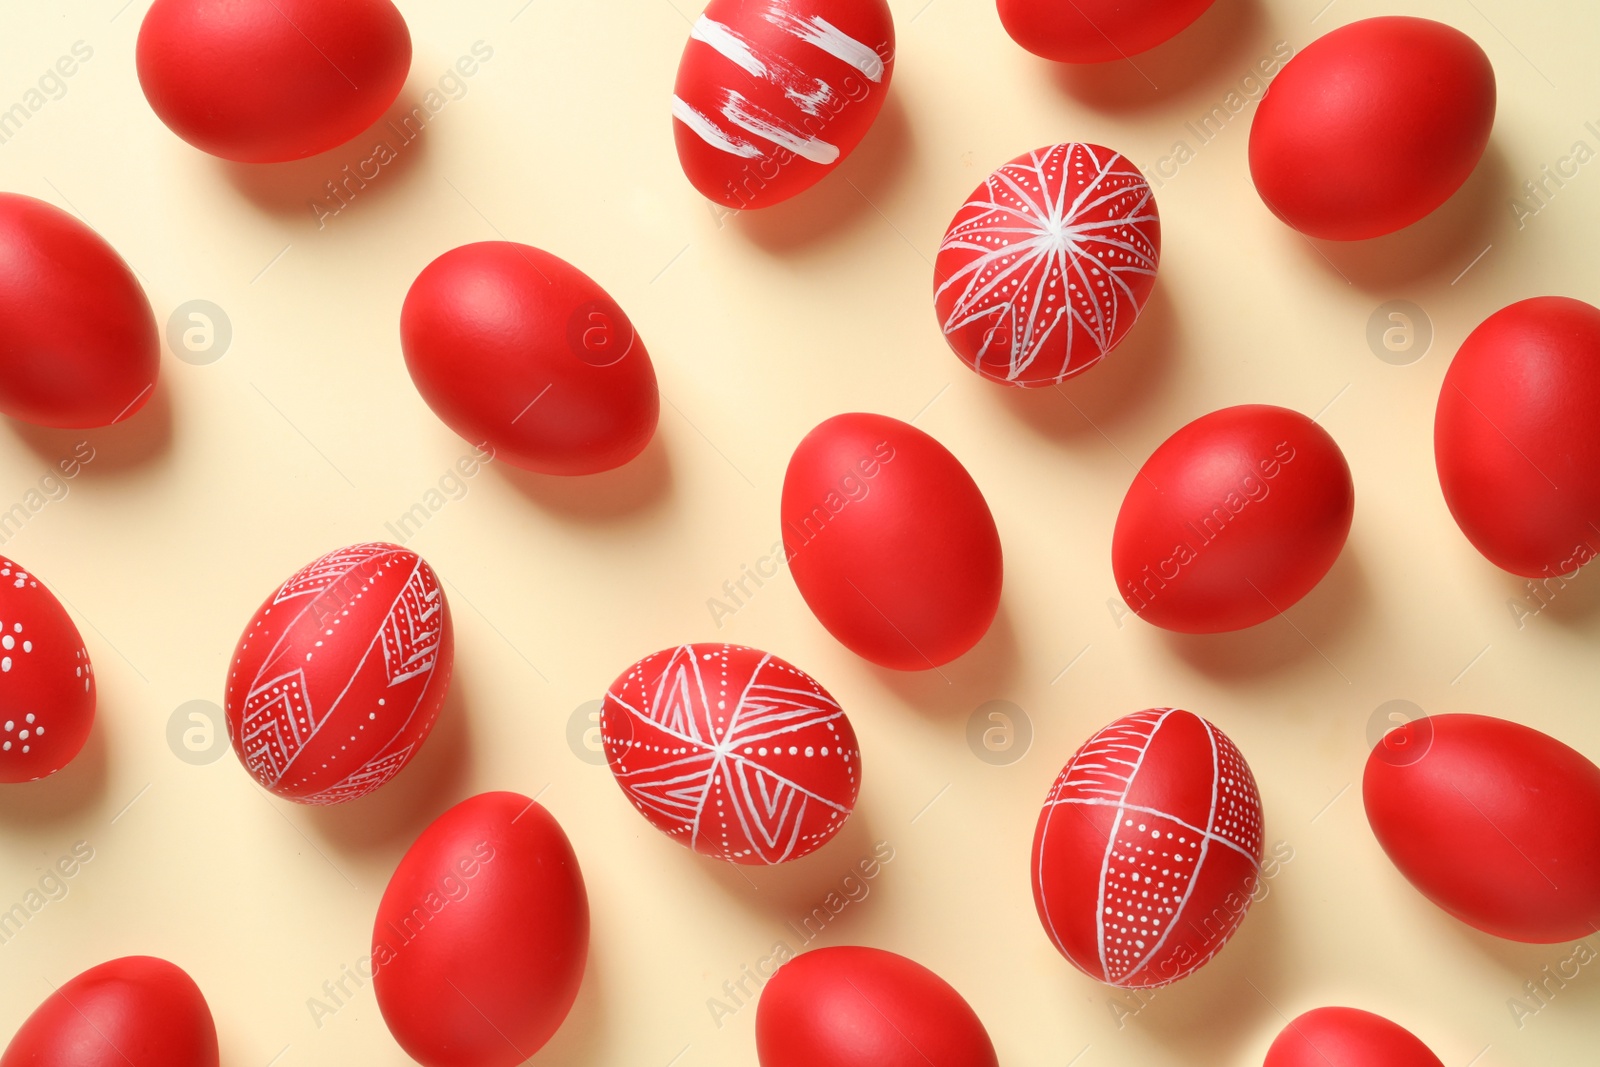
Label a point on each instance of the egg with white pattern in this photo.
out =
(47, 690)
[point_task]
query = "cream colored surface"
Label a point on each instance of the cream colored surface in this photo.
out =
(307, 435)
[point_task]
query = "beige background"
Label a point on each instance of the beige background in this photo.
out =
(308, 435)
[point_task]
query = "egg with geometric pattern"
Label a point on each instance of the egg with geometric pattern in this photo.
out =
(1148, 852)
(47, 690)
(732, 752)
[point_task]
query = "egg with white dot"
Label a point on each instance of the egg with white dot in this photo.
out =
(45, 680)
(698, 773)
(1147, 854)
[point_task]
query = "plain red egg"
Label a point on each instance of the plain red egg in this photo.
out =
(1147, 854)
(47, 692)
(1516, 440)
(482, 935)
(267, 81)
(772, 97)
(1048, 264)
(732, 752)
(1347, 1037)
(863, 1007)
(137, 1011)
(1096, 31)
(340, 674)
(891, 542)
(1372, 127)
(1495, 822)
(1232, 520)
(79, 346)
(524, 355)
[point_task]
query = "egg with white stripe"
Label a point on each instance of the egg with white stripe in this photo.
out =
(773, 94)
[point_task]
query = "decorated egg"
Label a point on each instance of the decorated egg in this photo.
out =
(732, 752)
(773, 94)
(1348, 1037)
(525, 356)
(78, 342)
(47, 691)
(340, 674)
(267, 81)
(863, 1007)
(1047, 265)
(1495, 822)
(891, 542)
(482, 935)
(131, 1012)
(1516, 441)
(1232, 520)
(1096, 31)
(1148, 851)
(1372, 127)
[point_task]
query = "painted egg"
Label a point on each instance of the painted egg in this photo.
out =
(340, 675)
(1232, 520)
(1047, 265)
(732, 752)
(1096, 31)
(863, 1007)
(266, 81)
(1515, 439)
(47, 692)
(482, 935)
(132, 1012)
(891, 542)
(79, 346)
(1148, 851)
(1496, 823)
(524, 355)
(1348, 1037)
(1372, 127)
(773, 94)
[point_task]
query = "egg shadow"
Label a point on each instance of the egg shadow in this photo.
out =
(64, 796)
(641, 485)
(289, 190)
(396, 812)
(143, 438)
(582, 1036)
(843, 197)
(987, 671)
(1440, 247)
(1111, 391)
(1219, 40)
(1307, 631)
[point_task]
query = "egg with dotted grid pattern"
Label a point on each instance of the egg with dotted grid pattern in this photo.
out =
(1148, 851)
(340, 675)
(732, 752)
(47, 688)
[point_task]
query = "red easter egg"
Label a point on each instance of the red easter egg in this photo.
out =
(732, 752)
(1148, 851)
(1372, 127)
(1096, 31)
(1516, 441)
(266, 81)
(772, 96)
(482, 935)
(1496, 823)
(1270, 479)
(79, 346)
(340, 674)
(132, 1012)
(863, 1007)
(891, 542)
(524, 355)
(1348, 1037)
(46, 681)
(1047, 265)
